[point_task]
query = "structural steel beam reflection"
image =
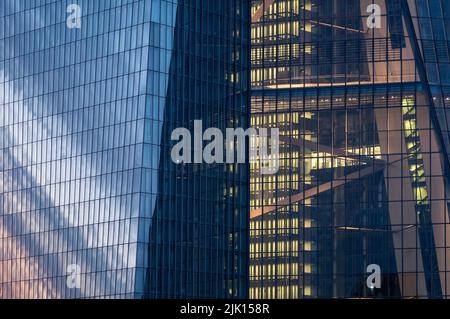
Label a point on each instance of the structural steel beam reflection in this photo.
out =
(267, 3)
(377, 166)
(314, 191)
(302, 143)
(259, 13)
(335, 26)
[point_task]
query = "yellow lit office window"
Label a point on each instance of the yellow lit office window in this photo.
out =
(294, 292)
(294, 269)
(295, 28)
(308, 246)
(295, 246)
(308, 268)
(308, 49)
(307, 6)
(295, 223)
(421, 194)
(308, 223)
(308, 291)
(280, 292)
(307, 27)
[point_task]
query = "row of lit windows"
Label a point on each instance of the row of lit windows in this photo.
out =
(280, 52)
(278, 29)
(280, 178)
(287, 118)
(279, 291)
(417, 170)
(255, 234)
(319, 104)
(280, 223)
(279, 270)
(280, 246)
(292, 163)
(273, 201)
(283, 6)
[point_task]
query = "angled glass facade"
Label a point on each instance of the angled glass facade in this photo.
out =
(358, 90)
(86, 179)
(93, 206)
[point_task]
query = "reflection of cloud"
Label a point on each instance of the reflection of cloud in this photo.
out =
(43, 182)
(19, 202)
(21, 274)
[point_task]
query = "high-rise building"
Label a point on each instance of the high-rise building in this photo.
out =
(91, 205)
(360, 90)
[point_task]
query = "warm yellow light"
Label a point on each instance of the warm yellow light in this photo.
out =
(307, 27)
(308, 269)
(308, 291)
(307, 6)
(307, 246)
(308, 49)
(308, 223)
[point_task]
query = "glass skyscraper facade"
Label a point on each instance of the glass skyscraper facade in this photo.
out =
(91, 205)
(359, 90)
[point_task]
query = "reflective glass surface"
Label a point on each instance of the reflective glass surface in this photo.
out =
(91, 204)
(357, 89)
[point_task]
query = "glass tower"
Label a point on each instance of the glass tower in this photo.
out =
(91, 205)
(360, 91)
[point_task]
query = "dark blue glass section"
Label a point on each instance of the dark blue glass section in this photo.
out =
(91, 205)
